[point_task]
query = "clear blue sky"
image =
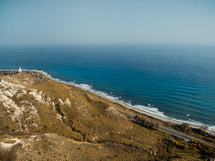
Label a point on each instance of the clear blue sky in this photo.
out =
(33, 22)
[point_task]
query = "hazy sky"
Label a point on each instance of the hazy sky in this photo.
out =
(24, 22)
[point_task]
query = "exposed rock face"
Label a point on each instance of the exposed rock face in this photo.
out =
(42, 119)
(54, 147)
(9, 72)
(19, 110)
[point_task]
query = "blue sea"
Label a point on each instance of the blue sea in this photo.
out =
(171, 81)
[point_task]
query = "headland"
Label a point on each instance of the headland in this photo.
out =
(40, 114)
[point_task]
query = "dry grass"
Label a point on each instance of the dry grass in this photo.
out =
(90, 119)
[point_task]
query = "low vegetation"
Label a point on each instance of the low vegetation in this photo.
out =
(55, 121)
(205, 150)
(147, 122)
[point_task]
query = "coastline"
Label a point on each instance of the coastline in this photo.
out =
(81, 118)
(166, 119)
(163, 118)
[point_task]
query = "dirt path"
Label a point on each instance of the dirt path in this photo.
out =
(168, 130)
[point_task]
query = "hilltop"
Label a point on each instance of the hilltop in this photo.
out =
(44, 119)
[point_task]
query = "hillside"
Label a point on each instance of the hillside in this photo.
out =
(43, 119)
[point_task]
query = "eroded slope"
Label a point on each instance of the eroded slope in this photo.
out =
(42, 117)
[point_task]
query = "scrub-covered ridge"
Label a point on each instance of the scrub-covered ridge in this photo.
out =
(43, 119)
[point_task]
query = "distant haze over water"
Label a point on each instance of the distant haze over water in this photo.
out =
(175, 81)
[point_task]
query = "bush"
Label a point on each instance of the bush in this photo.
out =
(203, 127)
(185, 127)
(205, 150)
(145, 121)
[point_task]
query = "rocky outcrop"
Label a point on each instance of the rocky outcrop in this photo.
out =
(8, 72)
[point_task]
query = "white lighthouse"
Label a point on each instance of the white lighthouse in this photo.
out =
(20, 70)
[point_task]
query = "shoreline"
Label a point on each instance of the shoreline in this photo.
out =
(104, 95)
(131, 107)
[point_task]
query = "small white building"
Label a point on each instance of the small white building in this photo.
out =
(20, 70)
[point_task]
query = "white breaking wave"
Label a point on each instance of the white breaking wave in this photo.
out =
(90, 88)
(212, 128)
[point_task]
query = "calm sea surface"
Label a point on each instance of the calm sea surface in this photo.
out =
(178, 82)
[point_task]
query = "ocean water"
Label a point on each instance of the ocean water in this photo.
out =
(170, 81)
